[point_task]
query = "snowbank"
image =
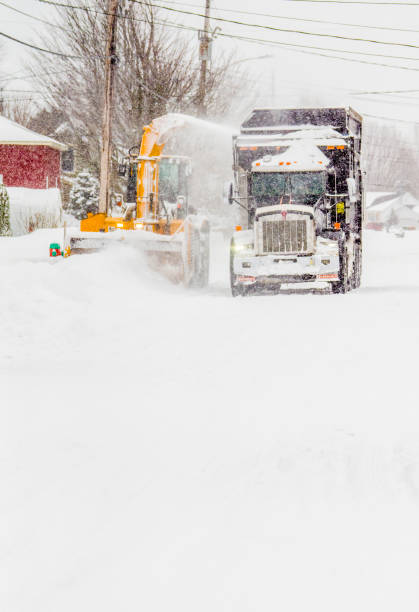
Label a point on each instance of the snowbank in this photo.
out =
(171, 450)
(32, 209)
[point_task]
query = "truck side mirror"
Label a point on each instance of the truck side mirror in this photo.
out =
(122, 170)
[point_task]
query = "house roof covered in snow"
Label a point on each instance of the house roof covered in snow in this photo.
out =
(392, 200)
(11, 133)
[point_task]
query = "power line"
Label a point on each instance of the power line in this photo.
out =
(414, 100)
(21, 42)
(344, 59)
(393, 91)
(16, 99)
(255, 40)
(12, 8)
(390, 119)
(4, 91)
(270, 16)
(32, 76)
(398, 57)
(355, 2)
(253, 25)
(293, 45)
(411, 103)
(275, 29)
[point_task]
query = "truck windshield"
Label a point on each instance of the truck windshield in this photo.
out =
(304, 187)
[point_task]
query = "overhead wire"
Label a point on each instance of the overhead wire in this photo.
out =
(391, 91)
(265, 42)
(31, 91)
(12, 8)
(252, 25)
(390, 119)
(355, 2)
(31, 76)
(276, 29)
(310, 20)
(345, 59)
(412, 103)
(26, 44)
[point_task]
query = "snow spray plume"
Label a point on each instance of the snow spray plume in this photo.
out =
(209, 146)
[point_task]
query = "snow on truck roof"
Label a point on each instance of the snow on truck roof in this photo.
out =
(323, 136)
(11, 133)
(300, 157)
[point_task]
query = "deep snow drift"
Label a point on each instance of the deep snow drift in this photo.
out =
(163, 449)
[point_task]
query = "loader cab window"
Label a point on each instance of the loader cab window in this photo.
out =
(172, 180)
(269, 188)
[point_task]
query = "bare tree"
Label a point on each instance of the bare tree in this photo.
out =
(20, 110)
(157, 73)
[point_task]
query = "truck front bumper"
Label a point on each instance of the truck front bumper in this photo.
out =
(290, 272)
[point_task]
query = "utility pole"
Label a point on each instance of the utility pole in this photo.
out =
(204, 50)
(110, 63)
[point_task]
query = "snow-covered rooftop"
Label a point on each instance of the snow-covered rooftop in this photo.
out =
(321, 136)
(11, 133)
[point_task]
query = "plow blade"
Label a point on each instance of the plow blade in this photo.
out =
(183, 257)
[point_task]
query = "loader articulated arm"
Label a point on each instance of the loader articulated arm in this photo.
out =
(152, 144)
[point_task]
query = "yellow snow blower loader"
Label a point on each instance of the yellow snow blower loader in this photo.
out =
(157, 215)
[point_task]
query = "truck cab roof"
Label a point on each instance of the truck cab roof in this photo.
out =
(281, 120)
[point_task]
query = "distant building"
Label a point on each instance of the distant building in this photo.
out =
(28, 159)
(393, 208)
(30, 168)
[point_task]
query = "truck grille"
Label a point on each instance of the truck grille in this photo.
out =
(284, 236)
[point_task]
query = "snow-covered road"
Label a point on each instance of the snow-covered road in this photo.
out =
(163, 449)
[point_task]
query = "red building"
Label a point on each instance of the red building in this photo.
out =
(28, 159)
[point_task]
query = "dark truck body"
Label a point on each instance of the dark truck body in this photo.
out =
(297, 176)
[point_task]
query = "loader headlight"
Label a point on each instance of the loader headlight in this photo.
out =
(119, 225)
(139, 225)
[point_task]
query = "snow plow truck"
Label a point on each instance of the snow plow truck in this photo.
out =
(157, 216)
(298, 182)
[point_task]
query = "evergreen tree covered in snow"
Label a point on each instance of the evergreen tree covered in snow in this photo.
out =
(84, 195)
(4, 212)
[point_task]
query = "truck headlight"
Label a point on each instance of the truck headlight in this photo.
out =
(243, 247)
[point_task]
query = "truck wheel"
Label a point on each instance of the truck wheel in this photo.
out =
(357, 266)
(344, 283)
(355, 279)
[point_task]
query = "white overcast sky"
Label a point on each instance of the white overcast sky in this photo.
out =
(320, 80)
